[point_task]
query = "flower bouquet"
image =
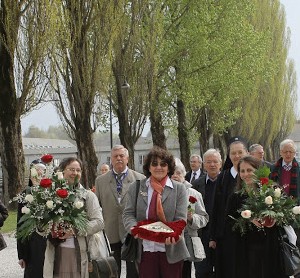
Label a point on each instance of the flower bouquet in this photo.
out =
(267, 203)
(51, 206)
(158, 231)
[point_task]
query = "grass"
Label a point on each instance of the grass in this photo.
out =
(10, 223)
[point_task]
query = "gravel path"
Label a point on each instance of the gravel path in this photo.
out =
(9, 267)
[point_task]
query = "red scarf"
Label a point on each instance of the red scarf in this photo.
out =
(158, 187)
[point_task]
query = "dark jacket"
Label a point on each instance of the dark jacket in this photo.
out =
(3, 213)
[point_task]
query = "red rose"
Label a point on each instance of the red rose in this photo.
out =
(62, 193)
(46, 183)
(264, 180)
(192, 200)
(47, 158)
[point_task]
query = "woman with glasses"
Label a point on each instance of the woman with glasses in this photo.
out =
(159, 199)
(66, 256)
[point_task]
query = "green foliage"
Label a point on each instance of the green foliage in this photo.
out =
(10, 223)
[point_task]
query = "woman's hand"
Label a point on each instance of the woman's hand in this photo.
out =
(22, 263)
(67, 234)
(190, 216)
(212, 244)
(170, 240)
(257, 223)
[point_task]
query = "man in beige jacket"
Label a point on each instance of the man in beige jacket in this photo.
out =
(111, 189)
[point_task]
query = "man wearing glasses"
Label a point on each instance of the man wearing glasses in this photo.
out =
(111, 190)
(286, 172)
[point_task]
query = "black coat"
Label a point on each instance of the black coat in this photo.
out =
(256, 253)
(32, 251)
(3, 213)
(224, 257)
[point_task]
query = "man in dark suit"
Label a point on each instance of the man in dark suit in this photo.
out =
(206, 185)
(196, 172)
(257, 151)
(111, 189)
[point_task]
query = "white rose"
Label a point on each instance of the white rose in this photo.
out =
(277, 192)
(296, 210)
(78, 204)
(246, 213)
(269, 200)
(25, 210)
(33, 172)
(60, 175)
(49, 204)
(29, 198)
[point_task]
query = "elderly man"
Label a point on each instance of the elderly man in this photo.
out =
(286, 172)
(104, 168)
(195, 164)
(257, 151)
(206, 185)
(111, 190)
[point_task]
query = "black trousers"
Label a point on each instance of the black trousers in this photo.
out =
(131, 268)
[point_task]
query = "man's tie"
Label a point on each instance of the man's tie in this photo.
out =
(119, 179)
(194, 176)
(287, 167)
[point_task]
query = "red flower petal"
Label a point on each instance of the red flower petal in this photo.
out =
(62, 193)
(46, 183)
(47, 158)
(264, 180)
(192, 199)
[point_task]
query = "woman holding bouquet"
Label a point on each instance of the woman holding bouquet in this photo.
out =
(66, 256)
(255, 252)
(197, 218)
(159, 199)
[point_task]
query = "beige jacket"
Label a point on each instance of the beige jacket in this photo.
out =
(106, 191)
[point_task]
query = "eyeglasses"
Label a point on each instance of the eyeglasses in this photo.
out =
(161, 164)
(74, 170)
(289, 152)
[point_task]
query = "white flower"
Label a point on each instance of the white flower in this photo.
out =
(246, 213)
(296, 210)
(25, 210)
(33, 172)
(60, 175)
(269, 200)
(277, 192)
(78, 204)
(49, 204)
(29, 198)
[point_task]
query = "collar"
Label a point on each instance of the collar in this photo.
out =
(233, 172)
(209, 178)
(124, 172)
(198, 172)
(168, 183)
(288, 164)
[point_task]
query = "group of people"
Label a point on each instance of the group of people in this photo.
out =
(164, 194)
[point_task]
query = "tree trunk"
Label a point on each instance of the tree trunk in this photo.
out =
(157, 129)
(183, 137)
(12, 156)
(86, 152)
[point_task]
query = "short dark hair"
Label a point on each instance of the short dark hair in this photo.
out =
(254, 162)
(67, 161)
(165, 155)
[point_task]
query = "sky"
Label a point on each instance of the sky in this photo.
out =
(46, 115)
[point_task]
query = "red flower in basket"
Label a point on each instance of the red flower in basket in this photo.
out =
(46, 183)
(62, 193)
(47, 158)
